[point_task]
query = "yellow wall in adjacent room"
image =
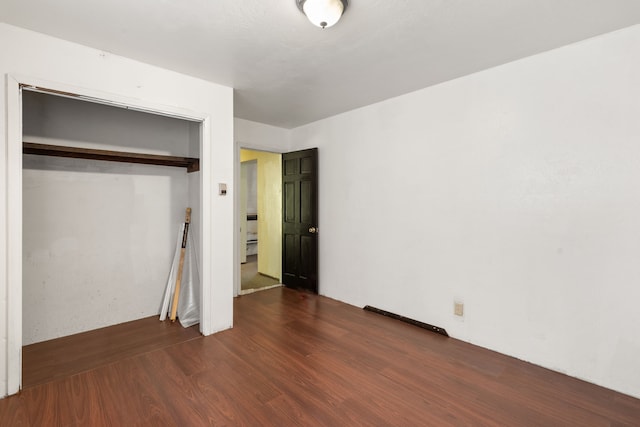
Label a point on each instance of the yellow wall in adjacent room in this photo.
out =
(269, 210)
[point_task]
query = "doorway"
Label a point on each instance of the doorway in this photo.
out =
(260, 220)
(292, 223)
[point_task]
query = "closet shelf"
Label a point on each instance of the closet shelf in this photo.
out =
(192, 164)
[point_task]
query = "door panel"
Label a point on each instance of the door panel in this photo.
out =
(306, 253)
(290, 260)
(289, 196)
(291, 166)
(300, 219)
(306, 165)
(307, 205)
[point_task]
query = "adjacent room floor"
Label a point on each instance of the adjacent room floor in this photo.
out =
(294, 358)
(251, 279)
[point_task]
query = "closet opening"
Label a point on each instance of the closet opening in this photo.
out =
(100, 217)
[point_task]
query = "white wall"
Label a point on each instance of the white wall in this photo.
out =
(515, 190)
(98, 236)
(258, 136)
(25, 55)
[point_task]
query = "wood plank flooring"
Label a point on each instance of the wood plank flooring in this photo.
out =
(299, 359)
(66, 356)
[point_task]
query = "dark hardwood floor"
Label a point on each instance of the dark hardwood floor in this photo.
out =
(66, 356)
(300, 359)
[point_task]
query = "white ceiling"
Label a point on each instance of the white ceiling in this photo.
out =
(287, 72)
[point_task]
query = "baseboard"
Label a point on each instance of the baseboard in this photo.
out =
(250, 291)
(269, 276)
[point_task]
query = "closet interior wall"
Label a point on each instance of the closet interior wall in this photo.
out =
(98, 236)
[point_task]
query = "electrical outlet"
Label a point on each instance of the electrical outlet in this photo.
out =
(458, 308)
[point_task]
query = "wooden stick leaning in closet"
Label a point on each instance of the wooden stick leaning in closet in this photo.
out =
(176, 292)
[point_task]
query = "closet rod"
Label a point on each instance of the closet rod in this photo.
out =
(192, 164)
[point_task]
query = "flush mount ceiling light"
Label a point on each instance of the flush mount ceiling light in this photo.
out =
(323, 13)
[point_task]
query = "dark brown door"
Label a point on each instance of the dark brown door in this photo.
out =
(300, 219)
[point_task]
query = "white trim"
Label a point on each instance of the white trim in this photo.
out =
(266, 288)
(14, 204)
(248, 146)
(237, 274)
(107, 102)
(206, 188)
(14, 236)
(107, 98)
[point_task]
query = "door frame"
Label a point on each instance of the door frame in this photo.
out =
(13, 260)
(240, 145)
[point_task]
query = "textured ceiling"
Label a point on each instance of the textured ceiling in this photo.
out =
(287, 72)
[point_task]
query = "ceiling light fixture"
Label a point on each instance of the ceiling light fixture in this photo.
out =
(323, 13)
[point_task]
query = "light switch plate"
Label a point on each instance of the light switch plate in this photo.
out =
(458, 308)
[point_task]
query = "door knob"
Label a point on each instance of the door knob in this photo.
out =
(313, 230)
